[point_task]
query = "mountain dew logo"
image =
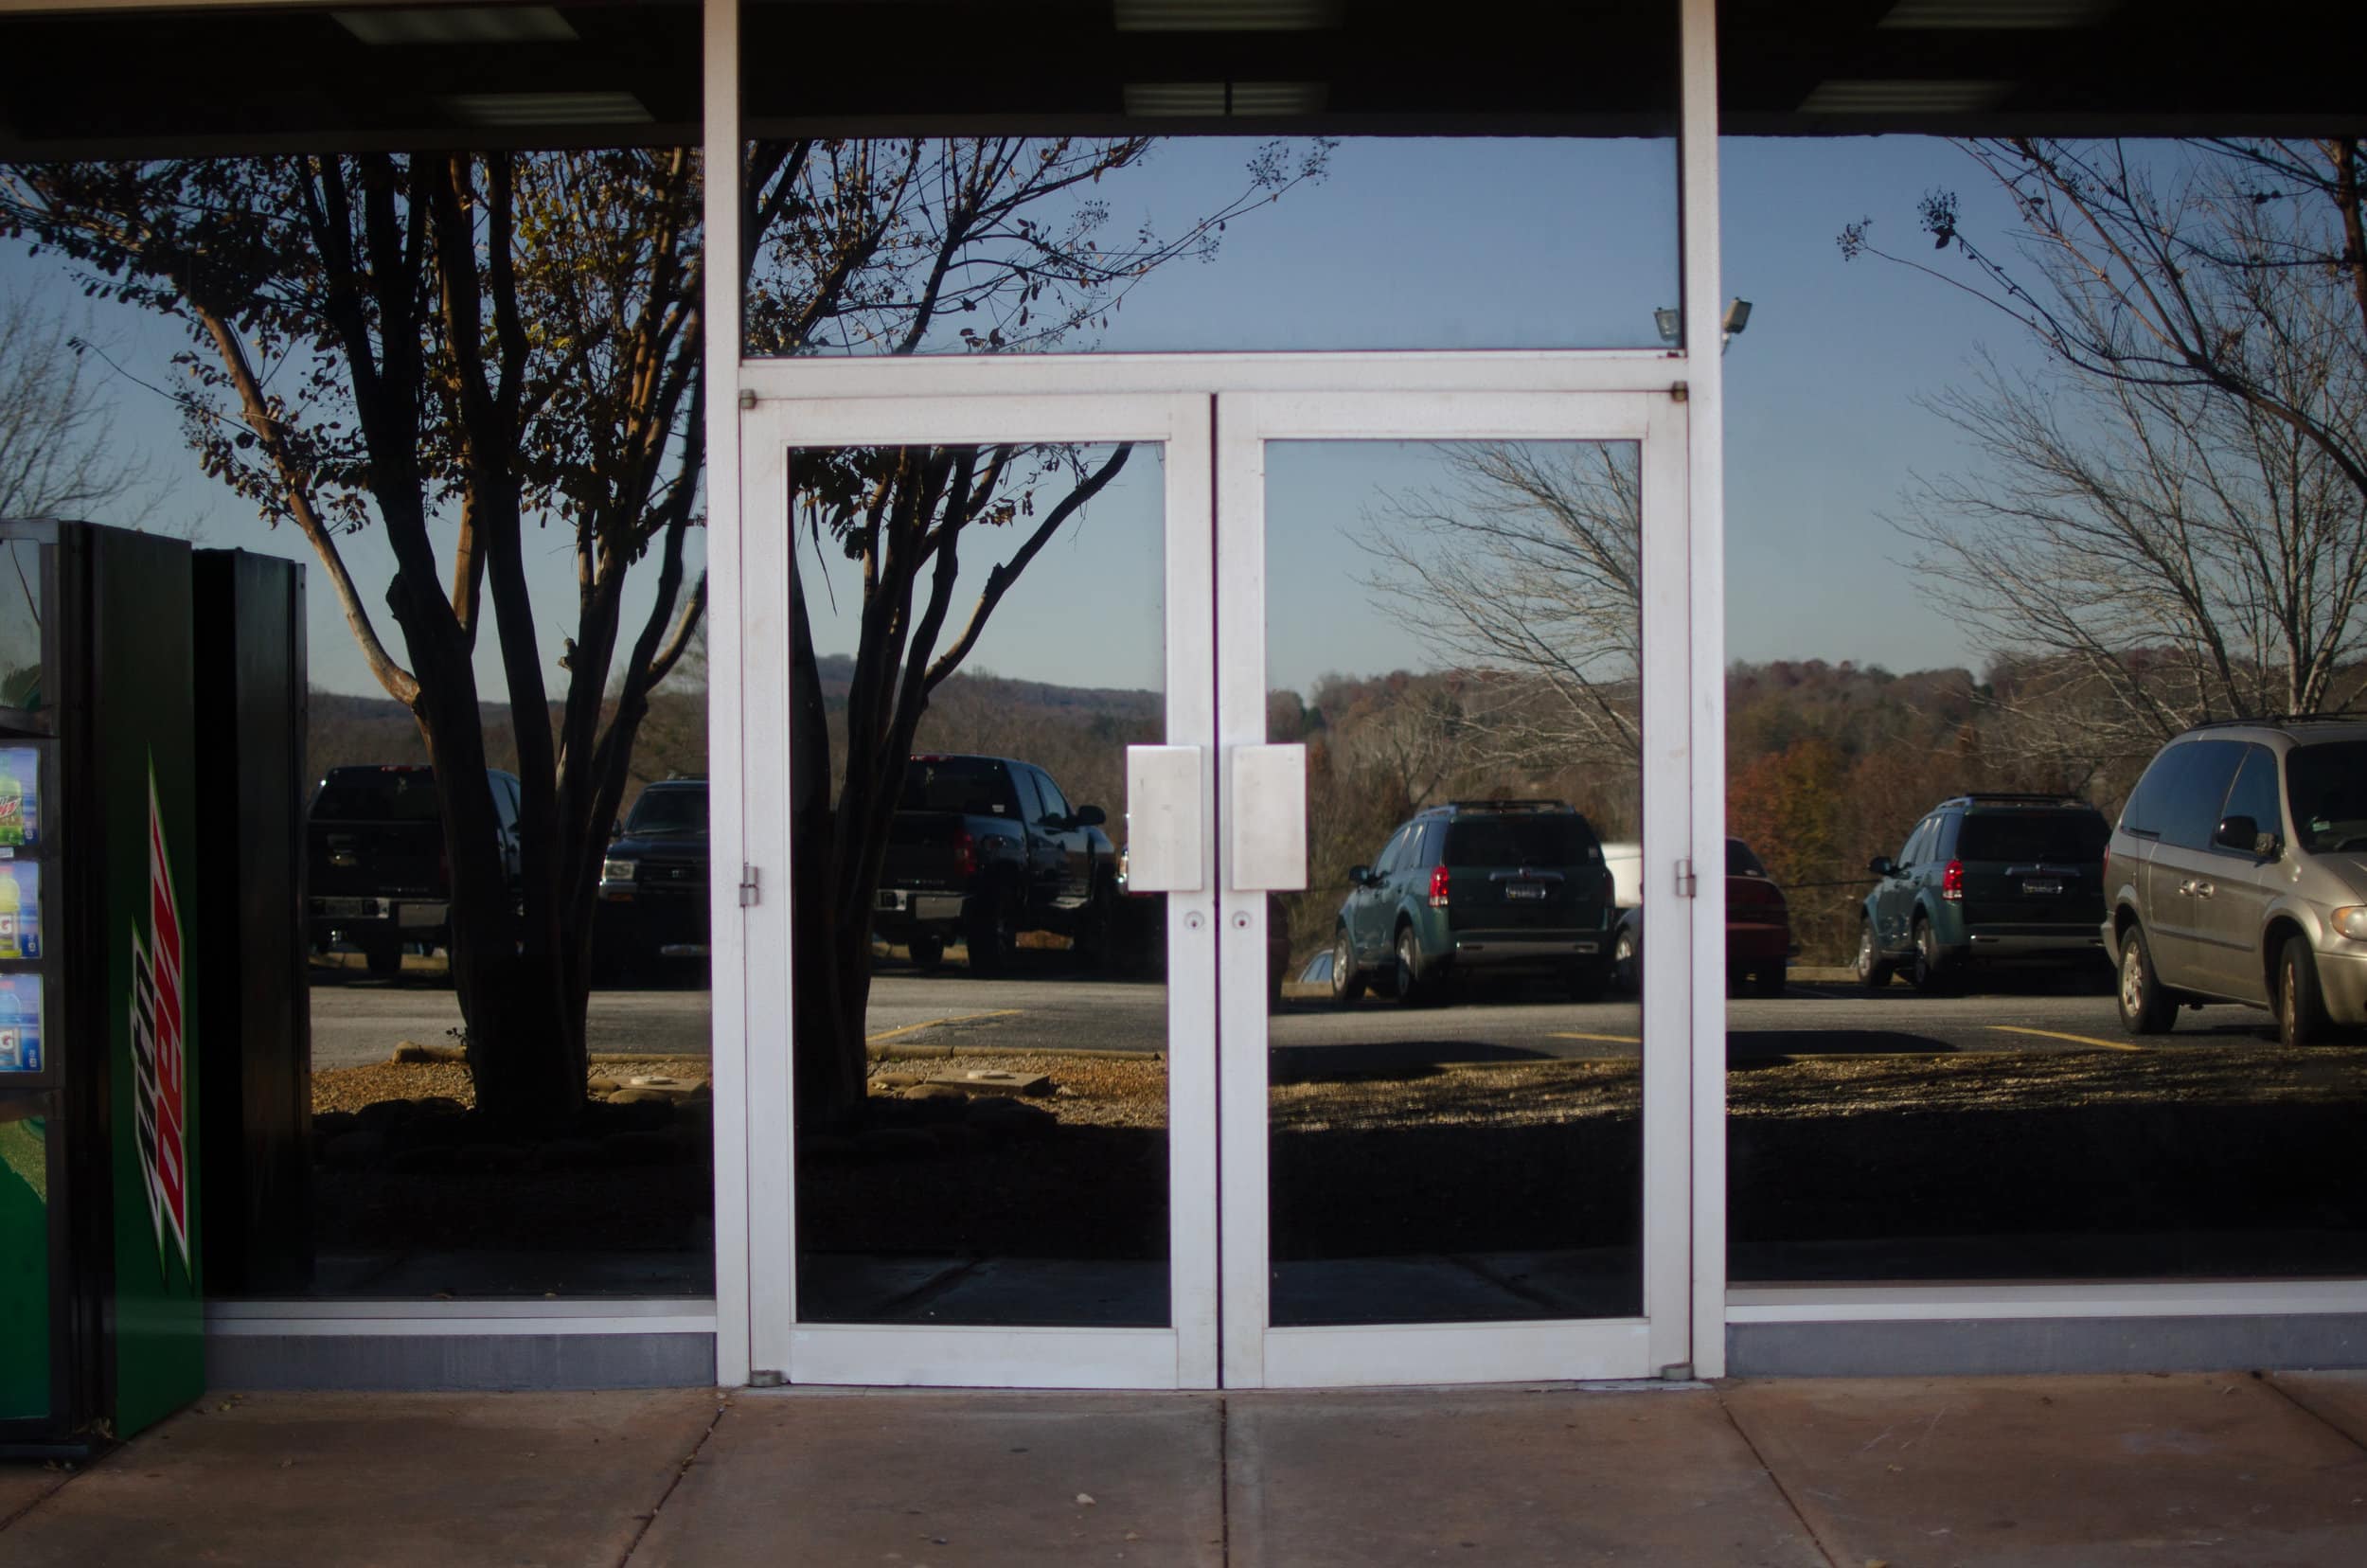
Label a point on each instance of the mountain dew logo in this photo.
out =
(159, 1064)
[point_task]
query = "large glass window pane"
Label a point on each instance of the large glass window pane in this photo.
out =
(1452, 631)
(1980, 573)
(1179, 243)
(981, 1043)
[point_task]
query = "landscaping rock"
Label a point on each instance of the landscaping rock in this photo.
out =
(425, 1159)
(379, 1115)
(990, 1082)
(567, 1154)
(893, 1142)
(642, 1097)
(1009, 1118)
(958, 1137)
(356, 1150)
(438, 1105)
(638, 1149)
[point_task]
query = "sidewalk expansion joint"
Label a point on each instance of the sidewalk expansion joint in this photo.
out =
(1806, 1527)
(632, 1547)
(2307, 1408)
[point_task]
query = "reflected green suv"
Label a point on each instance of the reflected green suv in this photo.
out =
(2238, 873)
(1478, 888)
(1987, 880)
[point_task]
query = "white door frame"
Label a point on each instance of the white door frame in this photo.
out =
(1260, 1356)
(1168, 399)
(1182, 1355)
(747, 738)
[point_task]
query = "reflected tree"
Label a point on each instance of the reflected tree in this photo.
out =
(1523, 570)
(466, 353)
(2170, 522)
(927, 245)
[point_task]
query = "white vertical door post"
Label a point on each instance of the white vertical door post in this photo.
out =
(1705, 515)
(727, 952)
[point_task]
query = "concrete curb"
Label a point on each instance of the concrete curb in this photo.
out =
(899, 1051)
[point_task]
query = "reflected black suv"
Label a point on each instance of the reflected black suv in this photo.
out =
(1478, 888)
(1987, 879)
(653, 881)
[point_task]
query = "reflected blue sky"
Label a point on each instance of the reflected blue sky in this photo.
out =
(1449, 244)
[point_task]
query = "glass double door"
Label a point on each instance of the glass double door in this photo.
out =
(1222, 824)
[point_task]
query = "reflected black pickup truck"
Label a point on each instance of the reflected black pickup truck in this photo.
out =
(983, 849)
(378, 874)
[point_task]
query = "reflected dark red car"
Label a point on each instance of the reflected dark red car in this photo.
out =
(1758, 931)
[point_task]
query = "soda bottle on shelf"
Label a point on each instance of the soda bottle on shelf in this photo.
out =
(17, 1055)
(12, 817)
(11, 915)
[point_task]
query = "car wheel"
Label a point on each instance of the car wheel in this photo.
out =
(1627, 963)
(991, 934)
(384, 959)
(2300, 1006)
(1347, 981)
(2146, 1005)
(1931, 972)
(1411, 991)
(1588, 981)
(1096, 925)
(1874, 970)
(1769, 981)
(927, 952)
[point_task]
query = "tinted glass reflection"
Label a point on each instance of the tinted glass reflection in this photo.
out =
(1975, 587)
(980, 1047)
(1452, 631)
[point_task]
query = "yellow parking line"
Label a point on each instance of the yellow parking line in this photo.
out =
(2083, 1039)
(933, 1022)
(1608, 1039)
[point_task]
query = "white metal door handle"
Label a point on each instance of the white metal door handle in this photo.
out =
(1269, 819)
(1162, 845)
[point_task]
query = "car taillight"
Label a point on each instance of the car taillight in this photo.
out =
(965, 853)
(1952, 881)
(1438, 887)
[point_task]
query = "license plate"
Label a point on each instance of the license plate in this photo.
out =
(348, 909)
(2045, 890)
(1531, 892)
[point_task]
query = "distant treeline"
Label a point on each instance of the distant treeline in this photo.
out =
(1827, 765)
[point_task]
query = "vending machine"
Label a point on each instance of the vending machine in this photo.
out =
(101, 1325)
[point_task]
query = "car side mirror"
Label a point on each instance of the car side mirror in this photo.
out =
(1091, 816)
(1360, 876)
(2243, 833)
(615, 830)
(1882, 865)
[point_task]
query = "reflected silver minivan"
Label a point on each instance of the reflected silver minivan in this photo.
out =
(2238, 873)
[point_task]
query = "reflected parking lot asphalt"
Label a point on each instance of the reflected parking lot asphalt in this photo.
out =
(359, 1023)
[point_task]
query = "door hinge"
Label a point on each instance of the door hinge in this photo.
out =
(1680, 392)
(747, 396)
(1687, 884)
(750, 881)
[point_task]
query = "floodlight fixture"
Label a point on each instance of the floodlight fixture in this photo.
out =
(1669, 322)
(1738, 315)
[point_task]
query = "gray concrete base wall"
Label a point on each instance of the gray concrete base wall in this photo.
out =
(471, 1362)
(1962, 1347)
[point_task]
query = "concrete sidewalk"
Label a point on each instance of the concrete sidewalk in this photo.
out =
(2201, 1469)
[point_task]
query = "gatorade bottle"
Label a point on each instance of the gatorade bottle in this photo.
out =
(11, 807)
(11, 1033)
(12, 912)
